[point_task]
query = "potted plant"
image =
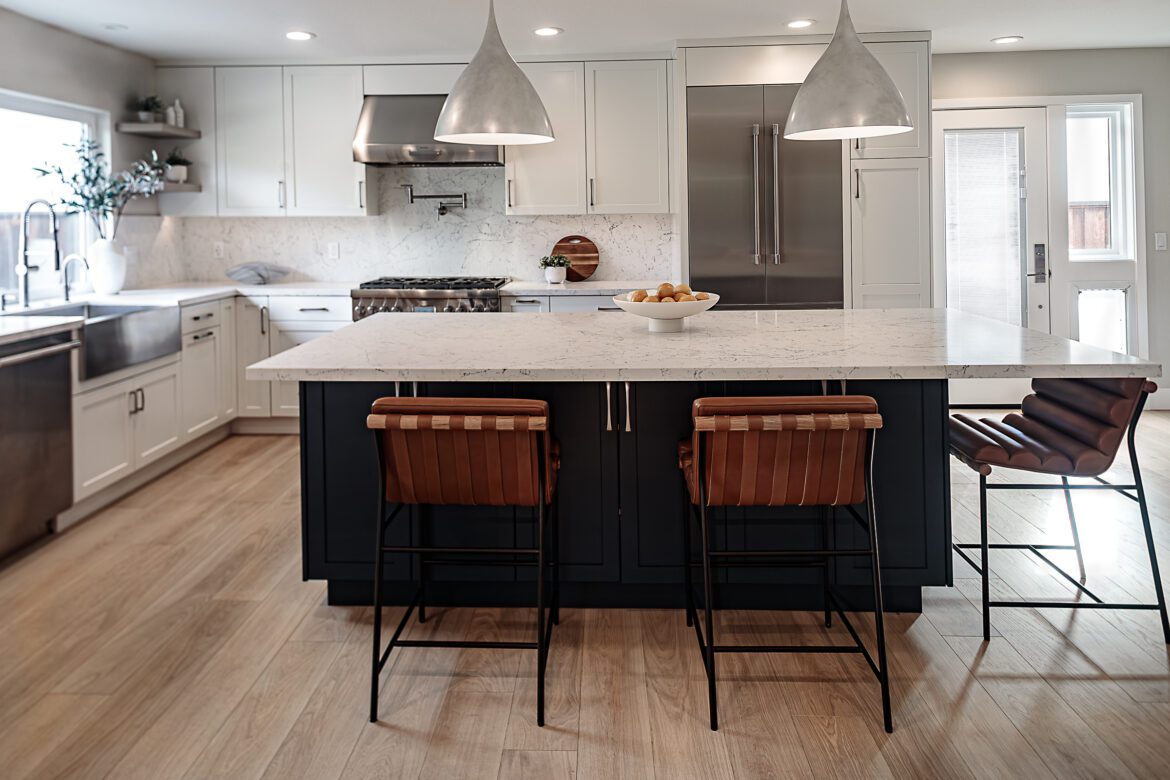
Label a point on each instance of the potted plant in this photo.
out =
(177, 166)
(148, 107)
(555, 267)
(103, 196)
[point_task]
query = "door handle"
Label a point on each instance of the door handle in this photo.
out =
(1040, 264)
(756, 189)
(629, 409)
(776, 194)
(37, 354)
(609, 406)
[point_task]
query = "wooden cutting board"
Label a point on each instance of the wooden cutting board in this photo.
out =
(582, 254)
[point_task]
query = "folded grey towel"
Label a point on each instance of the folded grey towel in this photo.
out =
(257, 273)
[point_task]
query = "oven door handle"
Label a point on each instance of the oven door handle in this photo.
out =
(37, 354)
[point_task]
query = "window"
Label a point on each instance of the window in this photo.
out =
(1100, 182)
(37, 132)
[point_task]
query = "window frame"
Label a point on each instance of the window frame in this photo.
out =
(1122, 174)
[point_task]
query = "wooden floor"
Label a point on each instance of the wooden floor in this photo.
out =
(171, 636)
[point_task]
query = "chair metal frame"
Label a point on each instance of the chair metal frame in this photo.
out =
(545, 557)
(785, 558)
(982, 567)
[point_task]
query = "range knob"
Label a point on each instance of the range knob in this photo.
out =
(396, 308)
(359, 311)
(383, 307)
(451, 307)
(479, 307)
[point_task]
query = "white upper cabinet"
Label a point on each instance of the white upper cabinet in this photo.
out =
(550, 178)
(627, 116)
(890, 225)
(321, 107)
(195, 89)
(249, 105)
(908, 63)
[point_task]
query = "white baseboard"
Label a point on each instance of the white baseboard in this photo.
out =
(266, 425)
(103, 498)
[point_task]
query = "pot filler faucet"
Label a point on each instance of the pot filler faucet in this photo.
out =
(23, 268)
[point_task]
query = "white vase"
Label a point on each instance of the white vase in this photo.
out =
(176, 173)
(554, 275)
(107, 267)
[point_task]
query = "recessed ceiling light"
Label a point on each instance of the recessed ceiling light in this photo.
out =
(1006, 39)
(300, 35)
(115, 27)
(548, 32)
(800, 24)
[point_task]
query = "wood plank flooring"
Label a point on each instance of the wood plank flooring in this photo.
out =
(171, 637)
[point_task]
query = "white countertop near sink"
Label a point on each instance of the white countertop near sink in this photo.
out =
(20, 327)
(716, 345)
(187, 293)
(587, 287)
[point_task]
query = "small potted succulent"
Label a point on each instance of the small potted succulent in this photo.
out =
(148, 107)
(555, 267)
(177, 167)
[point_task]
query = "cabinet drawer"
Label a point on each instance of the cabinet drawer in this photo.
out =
(200, 316)
(304, 308)
(524, 303)
(562, 303)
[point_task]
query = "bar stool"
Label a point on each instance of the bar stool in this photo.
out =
(1066, 428)
(794, 451)
(467, 452)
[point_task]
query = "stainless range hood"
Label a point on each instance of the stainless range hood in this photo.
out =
(400, 130)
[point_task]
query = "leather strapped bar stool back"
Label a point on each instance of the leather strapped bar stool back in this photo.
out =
(773, 452)
(1065, 428)
(467, 452)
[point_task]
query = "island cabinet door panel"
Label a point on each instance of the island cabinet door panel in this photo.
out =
(653, 418)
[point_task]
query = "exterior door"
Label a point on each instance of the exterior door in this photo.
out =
(992, 251)
(725, 184)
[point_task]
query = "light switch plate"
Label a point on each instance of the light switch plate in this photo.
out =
(333, 250)
(1160, 242)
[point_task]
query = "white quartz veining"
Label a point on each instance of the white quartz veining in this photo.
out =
(717, 345)
(18, 327)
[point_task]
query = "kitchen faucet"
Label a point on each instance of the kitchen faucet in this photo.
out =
(23, 268)
(65, 270)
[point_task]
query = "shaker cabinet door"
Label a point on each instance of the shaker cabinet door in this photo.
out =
(252, 324)
(249, 107)
(908, 63)
(103, 446)
(201, 367)
(890, 226)
(157, 428)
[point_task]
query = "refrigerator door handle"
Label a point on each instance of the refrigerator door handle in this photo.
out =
(756, 188)
(776, 194)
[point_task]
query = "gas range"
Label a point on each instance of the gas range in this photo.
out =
(427, 294)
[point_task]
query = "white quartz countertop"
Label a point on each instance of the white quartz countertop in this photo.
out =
(587, 287)
(16, 327)
(717, 345)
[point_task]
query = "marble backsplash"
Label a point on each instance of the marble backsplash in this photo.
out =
(403, 239)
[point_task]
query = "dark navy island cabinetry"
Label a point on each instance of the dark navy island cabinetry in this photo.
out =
(620, 498)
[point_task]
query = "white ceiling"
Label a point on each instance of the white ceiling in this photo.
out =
(372, 30)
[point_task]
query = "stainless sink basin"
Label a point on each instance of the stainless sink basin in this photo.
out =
(116, 337)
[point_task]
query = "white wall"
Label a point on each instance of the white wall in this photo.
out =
(1091, 72)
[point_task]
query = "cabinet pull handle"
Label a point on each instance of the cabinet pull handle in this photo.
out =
(142, 399)
(207, 316)
(37, 354)
(263, 320)
(629, 409)
(776, 193)
(527, 300)
(756, 190)
(134, 402)
(207, 335)
(314, 308)
(414, 389)
(608, 308)
(856, 143)
(397, 389)
(608, 406)
(361, 194)
(857, 184)
(280, 193)
(508, 183)
(592, 190)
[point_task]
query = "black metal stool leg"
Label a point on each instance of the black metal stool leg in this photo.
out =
(878, 607)
(377, 654)
(688, 579)
(423, 522)
(986, 573)
(708, 607)
(1141, 492)
(826, 540)
(555, 522)
(1072, 521)
(541, 646)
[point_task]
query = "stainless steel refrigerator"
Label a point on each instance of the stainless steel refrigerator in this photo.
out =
(765, 214)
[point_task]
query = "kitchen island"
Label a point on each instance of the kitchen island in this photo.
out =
(620, 399)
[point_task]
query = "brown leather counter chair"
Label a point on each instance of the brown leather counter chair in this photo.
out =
(787, 451)
(1065, 428)
(467, 452)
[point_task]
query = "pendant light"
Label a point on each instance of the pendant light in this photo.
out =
(493, 102)
(847, 94)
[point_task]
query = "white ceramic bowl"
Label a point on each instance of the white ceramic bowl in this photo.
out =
(665, 317)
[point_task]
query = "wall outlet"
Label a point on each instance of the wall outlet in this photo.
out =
(1160, 242)
(333, 250)
(217, 249)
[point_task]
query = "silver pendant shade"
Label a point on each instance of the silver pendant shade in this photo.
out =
(847, 94)
(493, 102)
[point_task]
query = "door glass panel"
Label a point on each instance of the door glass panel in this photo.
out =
(1100, 182)
(985, 225)
(1102, 320)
